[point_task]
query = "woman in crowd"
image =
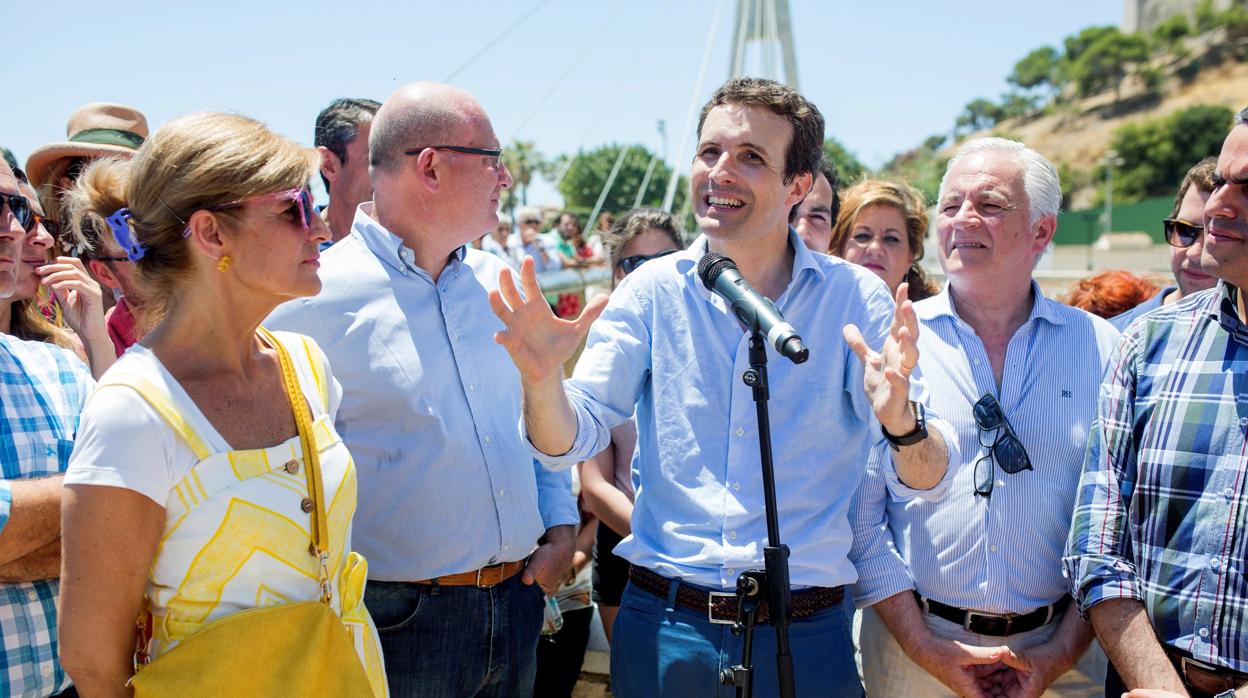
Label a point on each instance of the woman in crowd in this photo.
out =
(207, 459)
(30, 313)
(881, 227)
(607, 479)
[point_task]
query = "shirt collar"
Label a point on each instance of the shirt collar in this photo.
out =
(1221, 308)
(803, 259)
(390, 248)
(942, 304)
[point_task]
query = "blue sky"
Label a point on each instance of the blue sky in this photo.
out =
(573, 74)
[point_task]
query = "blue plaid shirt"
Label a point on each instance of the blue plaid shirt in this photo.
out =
(1162, 514)
(42, 391)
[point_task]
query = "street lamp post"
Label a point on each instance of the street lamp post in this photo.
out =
(1110, 161)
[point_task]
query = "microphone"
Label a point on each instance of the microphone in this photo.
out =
(720, 276)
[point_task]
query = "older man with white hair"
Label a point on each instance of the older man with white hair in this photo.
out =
(975, 602)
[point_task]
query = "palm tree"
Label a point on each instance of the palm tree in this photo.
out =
(523, 161)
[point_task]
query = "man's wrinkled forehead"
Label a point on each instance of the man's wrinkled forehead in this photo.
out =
(986, 174)
(8, 180)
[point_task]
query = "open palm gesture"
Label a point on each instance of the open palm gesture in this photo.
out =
(886, 374)
(539, 342)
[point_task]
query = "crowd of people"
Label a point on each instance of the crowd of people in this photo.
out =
(252, 446)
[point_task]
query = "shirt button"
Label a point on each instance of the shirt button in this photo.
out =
(740, 431)
(1204, 632)
(736, 486)
(1228, 493)
(306, 505)
(47, 671)
(292, 466)
(1243, 421)
(993, 548)
(729, 572)
(732, 535)
(1215, 563)
(501, 491)
(32, 596)
(1000, 483)
(976, 362)
(506, 546)
(471, 387)
(487, 439)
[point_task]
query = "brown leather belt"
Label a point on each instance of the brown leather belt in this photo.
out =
(721, 607)
(1205, 677)
(993, 624)
(484, 578)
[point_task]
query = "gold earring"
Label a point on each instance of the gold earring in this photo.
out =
(223, 264)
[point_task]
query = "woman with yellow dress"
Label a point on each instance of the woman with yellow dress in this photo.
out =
(207, 479)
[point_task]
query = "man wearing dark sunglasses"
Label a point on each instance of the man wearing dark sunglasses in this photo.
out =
(1184, 230)
(42, 390)
(1016, 375)
(1157, 553)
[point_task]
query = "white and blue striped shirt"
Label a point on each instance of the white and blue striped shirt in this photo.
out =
(1000, 554)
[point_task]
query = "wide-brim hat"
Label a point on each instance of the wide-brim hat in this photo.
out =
(96, 130)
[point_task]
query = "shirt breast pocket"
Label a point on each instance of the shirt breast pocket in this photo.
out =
(43, 457)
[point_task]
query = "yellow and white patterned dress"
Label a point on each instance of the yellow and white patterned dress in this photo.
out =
(237, 528)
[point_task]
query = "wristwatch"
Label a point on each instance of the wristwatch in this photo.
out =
(917, 434)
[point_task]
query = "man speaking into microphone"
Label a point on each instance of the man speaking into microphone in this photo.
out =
(673, 351)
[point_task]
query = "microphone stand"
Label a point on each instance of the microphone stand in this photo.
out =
(771, 583)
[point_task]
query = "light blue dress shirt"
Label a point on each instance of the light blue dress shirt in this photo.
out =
(1001, 554)
(668, 346)
(429, 409)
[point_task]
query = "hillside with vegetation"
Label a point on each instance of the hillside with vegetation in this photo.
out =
(1159, 102)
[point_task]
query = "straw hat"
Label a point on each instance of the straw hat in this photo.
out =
(96, 130)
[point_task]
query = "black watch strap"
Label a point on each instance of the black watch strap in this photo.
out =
(916, 435)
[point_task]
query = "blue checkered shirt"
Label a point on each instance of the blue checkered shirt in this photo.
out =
(42, 391)
(1162, 514)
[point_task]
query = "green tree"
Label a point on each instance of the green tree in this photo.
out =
(523, 161)
(1172, 31)
(1015, 105)
(1206, 16)
(588, 172)
(1038, 70)
(978, 115)
(848, 167)
(1105, 62)
(1157, 152)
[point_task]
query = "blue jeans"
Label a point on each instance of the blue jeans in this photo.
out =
(661, 650)
(460, 641)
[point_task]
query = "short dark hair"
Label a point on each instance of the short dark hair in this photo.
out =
(1201, 177)
(805, 151)
(828, 170)
(337, 125)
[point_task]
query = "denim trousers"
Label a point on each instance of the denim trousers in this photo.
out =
(458, 641)
(661, 650)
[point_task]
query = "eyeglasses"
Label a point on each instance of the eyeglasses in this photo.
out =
(298, 195)
(629, 264)
(53, 228)
(1180, 233)
(496, 153)
(21, 209)
(1005, 449)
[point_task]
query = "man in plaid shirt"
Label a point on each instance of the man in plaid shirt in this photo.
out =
(42, 391)
(1158, 551)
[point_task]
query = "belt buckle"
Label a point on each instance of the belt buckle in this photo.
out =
(970, 618)
(710, 607)
(1209, 669)
(483, 569)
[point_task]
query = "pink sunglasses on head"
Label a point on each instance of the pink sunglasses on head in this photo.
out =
(299, 194)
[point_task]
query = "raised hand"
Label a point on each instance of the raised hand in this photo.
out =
(78, 294)
(886, 374)
(538, 341)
